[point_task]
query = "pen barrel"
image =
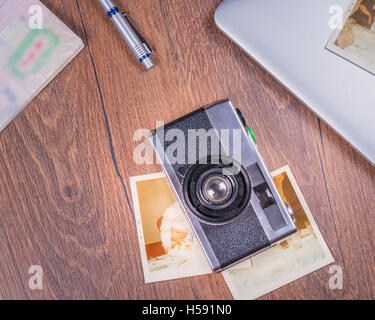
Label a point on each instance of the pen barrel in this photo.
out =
(137, 46)
(126, 31)
(107, 4)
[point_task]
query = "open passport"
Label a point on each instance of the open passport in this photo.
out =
(34, 47)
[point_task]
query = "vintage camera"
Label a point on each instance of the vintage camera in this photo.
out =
(222, 184)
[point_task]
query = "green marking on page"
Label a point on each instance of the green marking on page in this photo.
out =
(32, 53)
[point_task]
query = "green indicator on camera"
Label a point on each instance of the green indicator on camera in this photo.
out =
(251, 133)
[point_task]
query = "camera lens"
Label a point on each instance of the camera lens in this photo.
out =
(217, 189)
(214, 196)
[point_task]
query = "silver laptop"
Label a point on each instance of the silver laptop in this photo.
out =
(289, 38)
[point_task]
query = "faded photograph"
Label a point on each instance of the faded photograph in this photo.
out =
(356, 40)
(299, 255)
(170, 250)
(168, 246)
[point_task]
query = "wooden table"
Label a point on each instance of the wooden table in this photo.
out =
(66, 160)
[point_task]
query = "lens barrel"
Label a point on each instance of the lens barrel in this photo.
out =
(215, 197)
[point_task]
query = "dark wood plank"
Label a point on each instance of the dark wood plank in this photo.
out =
(197, 65)
(59, 190)
(65, 162)
(351, 183)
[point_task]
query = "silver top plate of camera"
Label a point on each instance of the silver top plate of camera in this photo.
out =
(224, 116)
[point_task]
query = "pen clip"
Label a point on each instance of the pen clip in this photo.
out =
(124, 14)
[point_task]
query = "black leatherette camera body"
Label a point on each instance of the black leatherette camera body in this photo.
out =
(256, 216)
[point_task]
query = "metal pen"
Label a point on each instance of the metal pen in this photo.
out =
(130, 34)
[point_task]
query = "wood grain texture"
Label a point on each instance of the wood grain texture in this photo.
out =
(65, 162)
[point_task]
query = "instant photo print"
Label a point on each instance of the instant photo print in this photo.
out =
(302, 253)
(168, 246)
(355, 39)
(170, 250)
(222, 184)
